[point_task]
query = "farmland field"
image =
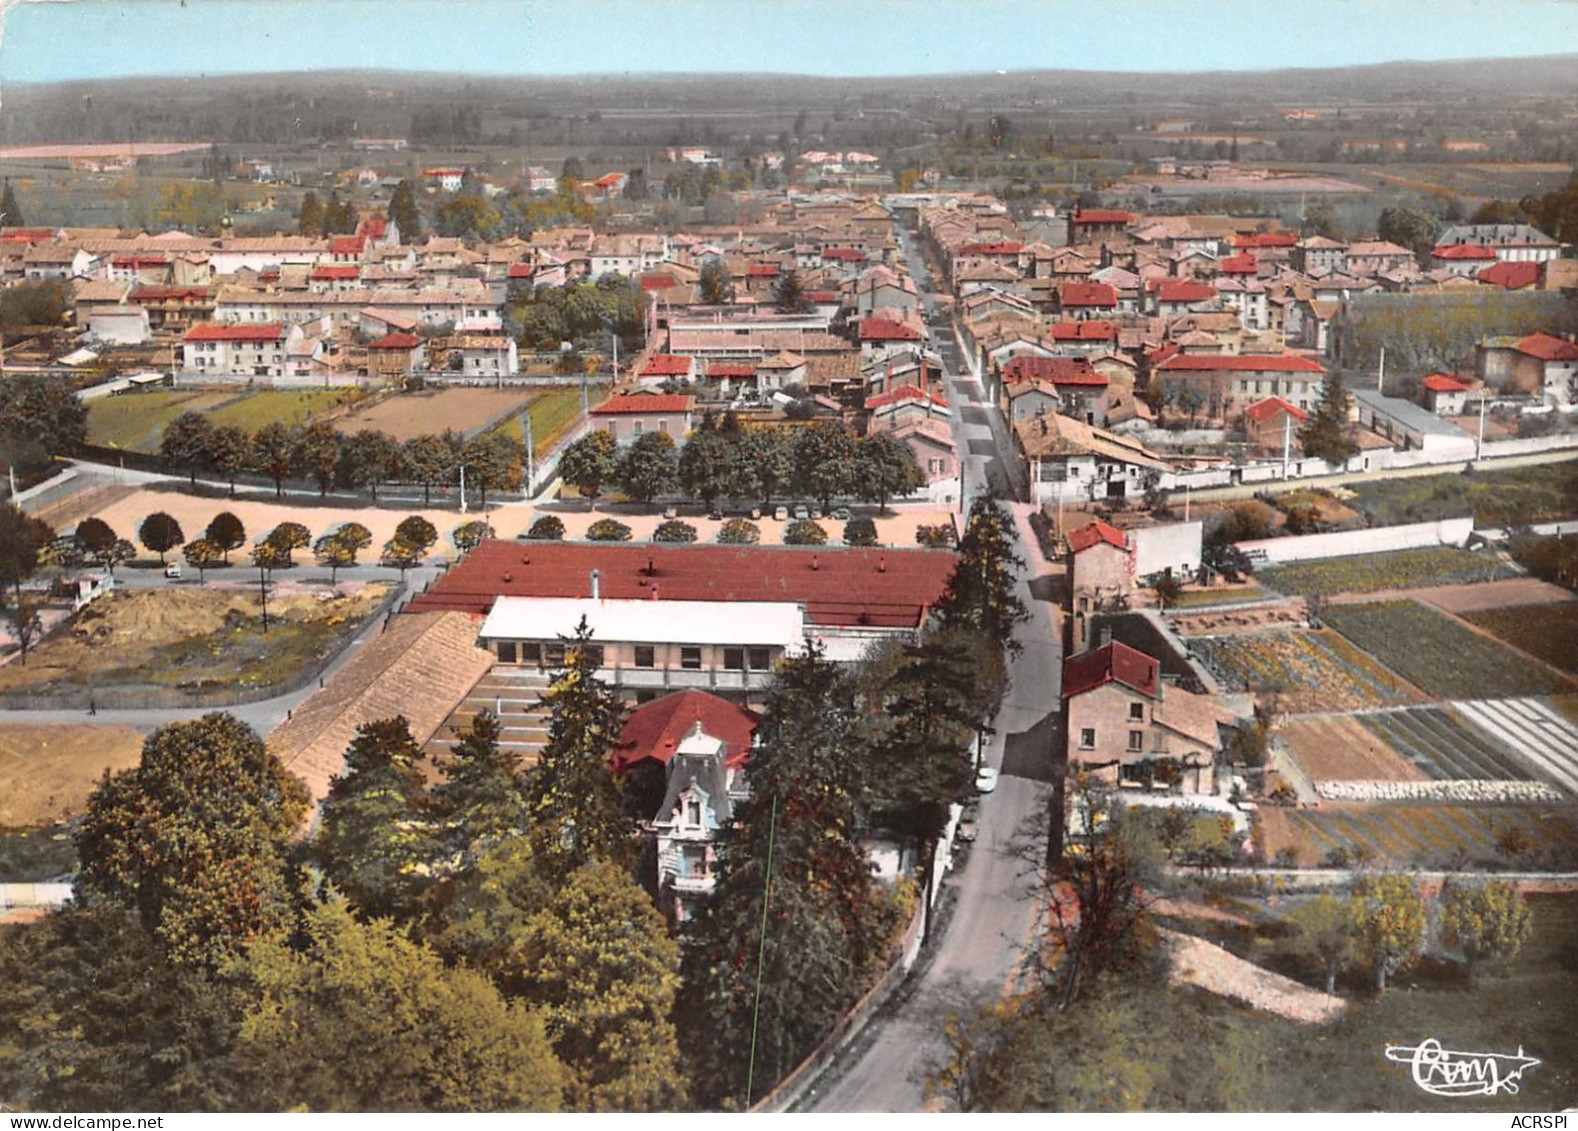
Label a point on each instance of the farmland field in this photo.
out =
(286, 406)
(1547, 631)
(1366, 573)
(135, 421)
(551, 415)
(1519, 494)
(1427, 835)
(1437, 655)
(1341, 748)
(1221, 595)
(431, 411)
(1313, 671)
(1435, 742)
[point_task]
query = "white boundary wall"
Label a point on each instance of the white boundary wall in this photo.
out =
(1375, 540)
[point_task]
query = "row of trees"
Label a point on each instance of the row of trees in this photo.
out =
(722, 460)
(322, 454)
(39, 418)
(580, 313)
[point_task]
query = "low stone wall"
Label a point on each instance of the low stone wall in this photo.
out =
(1481, 790)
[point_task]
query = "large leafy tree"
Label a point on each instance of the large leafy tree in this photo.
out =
(203, 554)
(10, 210)
(480, 800)
(230, 451)
(762, 463)
(227, 532)
(309, 217)
(370, 459)
(980, 596)
(194, 838)
(789, 294)
(1389, 924)
(714, 283)
(648, 469)
(884, 467)
(97, 542)
(704, 463)
(573, 801)
(1325, 435)
(589, 463)
(41, 414)
(161, 533)
(1323, 932)
(23, 540)
(791, 861)
(272, 452)
(365, 1019)
(604, 971)
(315, 453)
(432, 460)
(99, 1019)
(493, 463)
(186, 442)
(1408, 226)
(403, 211)
(376, 840)
(825, 463)
(289, 536)
(1486, 922)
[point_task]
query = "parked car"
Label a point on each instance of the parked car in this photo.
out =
(173, 571)
(840, 514)
(781, 513)
(986, 779)
(802, 512)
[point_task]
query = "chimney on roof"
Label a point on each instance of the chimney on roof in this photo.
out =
(882, 564)
(816, 561)
(597, 588)
(654, 591)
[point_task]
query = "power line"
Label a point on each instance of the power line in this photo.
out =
(761, 950)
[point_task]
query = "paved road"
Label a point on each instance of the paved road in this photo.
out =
(983, 945)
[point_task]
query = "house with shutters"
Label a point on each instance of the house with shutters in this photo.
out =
(1130, 727)
(1443, 394)
(1067, 460)
(1101, 573)
(1081, 392)
(629, 415)
(1271, 421)
(1537, 365)
(1218, 385)
(241, 350)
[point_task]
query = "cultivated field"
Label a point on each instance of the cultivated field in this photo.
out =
(135, 421)
(1434, 741)
(552, 414)
(1367, 573)
(1311, 671)
(1547, 631)
(193, 638)
(47, 772)
(1538, 731)
(1341, 748)
(288, 406)
(1518, 494)
(1438, 655)
(1420, 835)
(432, 411)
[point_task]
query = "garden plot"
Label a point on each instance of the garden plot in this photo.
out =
(1438, 655)
(1341, 748)
(1421, 835)
(1547, 631)
(1309, 670)
(1369, 573)
(432, 411)
(1544, 738)
(1441, 748)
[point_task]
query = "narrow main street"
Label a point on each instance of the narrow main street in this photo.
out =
(984, 940)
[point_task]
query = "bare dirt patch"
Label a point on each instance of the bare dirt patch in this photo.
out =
(1342, 749)
(1493, 595)
(430, 411)
(1288, 614)
(47, 772)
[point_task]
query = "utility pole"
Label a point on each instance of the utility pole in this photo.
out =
(462, 488)
(526, 433)
(1287, 441)
(1479, 442)
(761, 952)
(1380, 375)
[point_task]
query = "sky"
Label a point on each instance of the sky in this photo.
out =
(54, 40)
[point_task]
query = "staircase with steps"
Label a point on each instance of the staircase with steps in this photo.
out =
(515, 695)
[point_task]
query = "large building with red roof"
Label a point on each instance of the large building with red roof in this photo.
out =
(238, 349)
(1224, 384)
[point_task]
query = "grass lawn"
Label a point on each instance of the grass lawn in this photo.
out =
(1548, 631)
(1436, 654)
(1198, 598)
(288, 406)
(1366, 573)
(551, 414)
(136, 420)
(1519, 494)
(192, 639)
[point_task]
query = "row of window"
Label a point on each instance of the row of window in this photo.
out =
(757, 659)
(1087, 739)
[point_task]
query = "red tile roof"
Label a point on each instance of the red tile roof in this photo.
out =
(1095, 533)
(1512, 276)
(1547, 347)
(821, 296)
(373, 227)
(136, 261)
(1462, 251)
(1111, 663)
(1058, 370)
(1241, 363)
(905, 393)
(396, 341)
(1266, 239)
(609, 180)
(667, 365)
(1087, 294)
(731, 369)
(1183, 290)
(1244, 264)
(1103, 216)
(761, 271)
(347, 245)
(339, 271)
(658, 282)
(999, 247)
(886, 588)
(887, 330)
(1094, 330)
(1444, 383)
(27, 235)
(1263, 410)
(166, 294)
(236, 332)
(521, 271)
(630, 404)
(654, 730)
(849, 254)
